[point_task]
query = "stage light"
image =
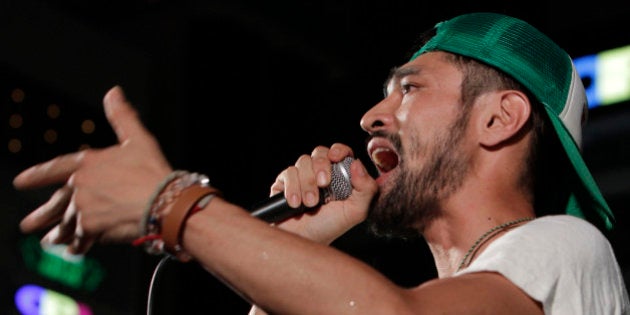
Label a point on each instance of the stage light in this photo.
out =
(32, 299)
(53, 262)
(606, 76)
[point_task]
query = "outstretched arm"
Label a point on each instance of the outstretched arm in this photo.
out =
(286, 269)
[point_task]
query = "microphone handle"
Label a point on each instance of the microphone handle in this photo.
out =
(277, 209)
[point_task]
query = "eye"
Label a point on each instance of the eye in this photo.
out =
(406, 87)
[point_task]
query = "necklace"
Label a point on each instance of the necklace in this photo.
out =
(486, 235)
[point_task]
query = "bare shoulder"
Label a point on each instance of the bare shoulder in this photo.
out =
(474, 293)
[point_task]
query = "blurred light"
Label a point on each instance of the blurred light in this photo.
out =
(88, 126)
(31, 299)
(16, 121)
(54, 262)
(53, 111)
(17, 95)
(14, 145)
(606, 76)
(50, 136)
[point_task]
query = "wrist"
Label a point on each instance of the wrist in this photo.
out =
(177, 197)
(190, 201)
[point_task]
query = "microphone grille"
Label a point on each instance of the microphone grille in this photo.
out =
(340, 186)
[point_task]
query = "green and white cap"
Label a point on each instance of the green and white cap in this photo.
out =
(548, 72)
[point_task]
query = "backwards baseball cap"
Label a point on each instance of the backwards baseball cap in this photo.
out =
(547, 71)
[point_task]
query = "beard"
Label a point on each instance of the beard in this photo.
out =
(414, 199)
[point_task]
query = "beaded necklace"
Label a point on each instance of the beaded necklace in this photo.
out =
(490, 232)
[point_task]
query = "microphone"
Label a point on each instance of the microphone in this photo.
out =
(276, 208)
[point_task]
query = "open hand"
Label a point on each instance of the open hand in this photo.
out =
(103, 191)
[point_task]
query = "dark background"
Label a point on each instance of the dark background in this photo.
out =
(238, 90)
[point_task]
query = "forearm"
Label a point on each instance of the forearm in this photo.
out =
(282, 272)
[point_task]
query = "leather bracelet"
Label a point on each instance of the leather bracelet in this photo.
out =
(156, 201)
(176, 214)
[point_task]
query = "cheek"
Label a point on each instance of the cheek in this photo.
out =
(425, 130)
(402, 114)
(417, 121)
(428, 109)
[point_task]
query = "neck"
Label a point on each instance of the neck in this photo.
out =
(490, 196)
(452, 236)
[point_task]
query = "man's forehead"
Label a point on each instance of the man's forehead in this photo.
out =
(418, 64)
(423, 63)
(397, 73)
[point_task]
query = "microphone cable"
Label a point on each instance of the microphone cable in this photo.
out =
(156, 273)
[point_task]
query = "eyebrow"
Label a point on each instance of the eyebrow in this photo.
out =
(397, 73)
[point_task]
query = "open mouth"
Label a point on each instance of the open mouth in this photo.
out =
(384, 157)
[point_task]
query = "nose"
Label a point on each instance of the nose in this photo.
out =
(379, 117)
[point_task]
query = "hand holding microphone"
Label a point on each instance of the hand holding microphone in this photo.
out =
(276, 208)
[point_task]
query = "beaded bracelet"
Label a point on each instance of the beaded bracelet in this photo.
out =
(153, 204)
(167, 192)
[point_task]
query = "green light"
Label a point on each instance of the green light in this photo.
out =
(613, 73)
(75, 271)
(57, 303)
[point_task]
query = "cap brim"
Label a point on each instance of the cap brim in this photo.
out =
(586, 199)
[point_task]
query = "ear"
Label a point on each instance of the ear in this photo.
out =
(503, 117)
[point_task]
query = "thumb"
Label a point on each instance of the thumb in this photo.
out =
(121, 115)
(364, 189)
(362, 183)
